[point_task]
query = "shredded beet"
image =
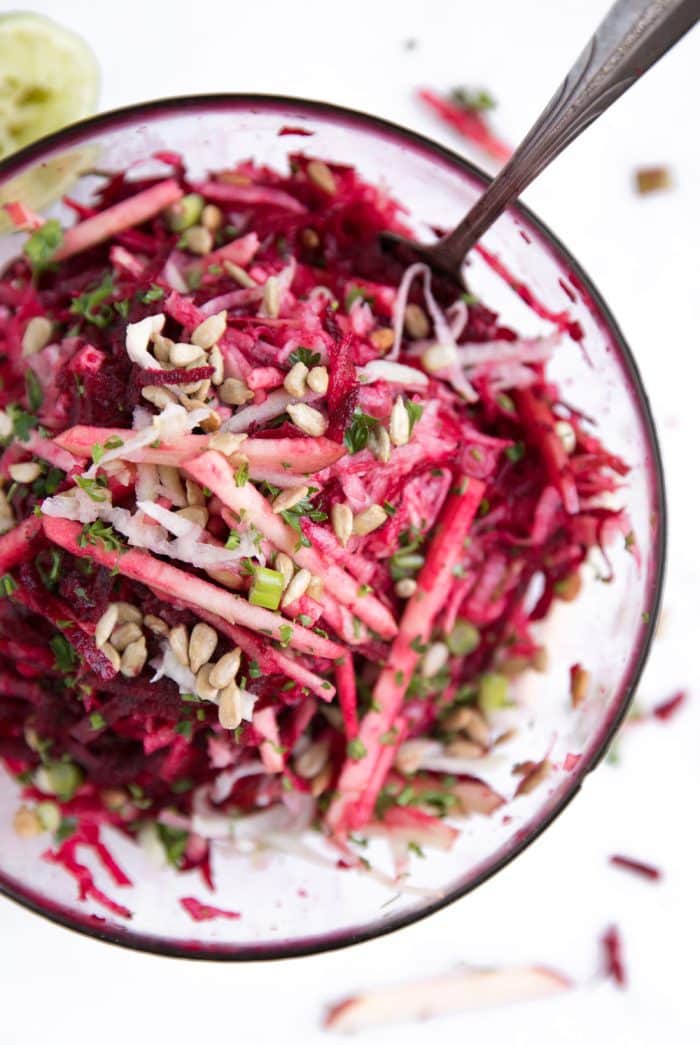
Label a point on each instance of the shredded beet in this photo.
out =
(613, 962)
(468, 121)
(637, 867)
(260, 544)
(668, 708)
(202, 912)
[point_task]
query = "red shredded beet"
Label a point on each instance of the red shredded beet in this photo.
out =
(636, 867)
(202, 912)
(668, 708)
(613, 961)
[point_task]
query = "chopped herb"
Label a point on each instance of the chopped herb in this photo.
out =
(7, 585)
(389, 737)
(305, 620)
(417, 645)
(91, 305)
(97, 721)
(181, 786)
(321, 632)
(413, 847)
(357, 294)
(184, 729)
(154, 293)
(91, 533)
(232, 541)
(399, 677)
(174, 841)
(414, 411)
(64, 654)
(241, 474)
(469, 299)
(505, 403)
(358, 431)
(254, 669)
(41, 246)
(306, 356)
(484, 506)
(472, 100)
(285, 634)
(304, 509)
(287, 784)
(94, 488)
(35, 393)
(190, 698)
(364, 589)
(122, 307)
(405, 797)
(516, 452)
(356, 749)
(66, 829)
(22, 422)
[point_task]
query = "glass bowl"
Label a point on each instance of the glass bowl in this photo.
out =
(291, 906)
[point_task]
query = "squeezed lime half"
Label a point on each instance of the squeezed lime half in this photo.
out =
(48, 78)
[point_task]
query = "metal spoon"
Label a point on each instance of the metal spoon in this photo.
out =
(632, 36)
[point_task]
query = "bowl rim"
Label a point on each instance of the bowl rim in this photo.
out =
(90, 925)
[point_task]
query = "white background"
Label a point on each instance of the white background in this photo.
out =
(551, 905)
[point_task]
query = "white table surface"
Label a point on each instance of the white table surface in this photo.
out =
(551, 905)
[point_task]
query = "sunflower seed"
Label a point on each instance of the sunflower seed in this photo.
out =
(369, 520)
(416, 322)
(179, 643)
(297, 587)
(399, 423)
(308, 420)
(37, 335)
(322, 176)
(288, 498)
(295, 380)
(405, 587)
(124, 635)
(195, 513)
(310, 763)
(209, 330)
(212, 217)
(127, 612)
(198, 240)
(155, 624)
(134, 658)
(234, 392)
(203, 642)
(434, 660)
(230, 707)
(25, 472)
(317, 379)
(158, 396)
(239, 275)
(225, 669)
(342, 519)
(285, 566)
(203, 687)
(106, 625)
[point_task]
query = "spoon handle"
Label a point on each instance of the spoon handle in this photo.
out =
(631, 37)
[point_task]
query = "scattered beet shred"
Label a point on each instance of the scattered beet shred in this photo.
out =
(271, 511)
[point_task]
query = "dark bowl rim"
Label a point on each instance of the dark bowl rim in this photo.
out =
(319, 944)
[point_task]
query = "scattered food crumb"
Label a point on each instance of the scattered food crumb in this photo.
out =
(202, 912)
(613, 963)
(636, 867)
(410, 44)
(457, 991)
(668, 708)
(652, 179)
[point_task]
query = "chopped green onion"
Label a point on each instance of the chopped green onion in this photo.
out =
(463, 639)
(267, 587)
(185, 213)
(493, 692)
